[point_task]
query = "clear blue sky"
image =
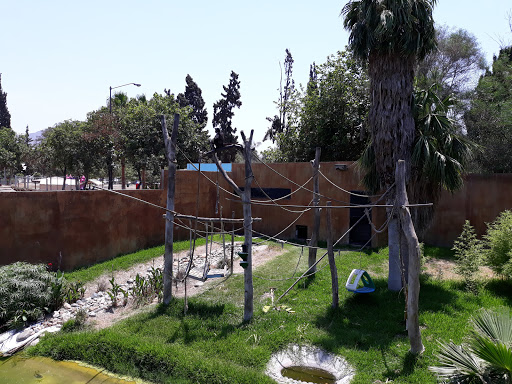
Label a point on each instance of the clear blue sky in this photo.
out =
(58, 58)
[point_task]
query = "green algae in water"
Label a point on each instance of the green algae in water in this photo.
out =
(309, 375)
(23, 370)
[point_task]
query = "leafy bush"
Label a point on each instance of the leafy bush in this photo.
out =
(468, 252)
(27, 291)
(499, 243)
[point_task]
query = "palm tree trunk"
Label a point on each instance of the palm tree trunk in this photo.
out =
(392, 123)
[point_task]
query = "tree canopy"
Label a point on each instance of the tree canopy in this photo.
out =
(223, 116)
(5, 116)
(489, 119)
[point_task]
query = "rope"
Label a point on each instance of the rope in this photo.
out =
(238, 197)
(273, 201)
(344, 190)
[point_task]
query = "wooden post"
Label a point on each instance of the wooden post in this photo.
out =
(170, 148)
(223, 237)
(232, 241)
(316, 221)
(413, 325)
(207, 239)
(246, 201)
(332, 262)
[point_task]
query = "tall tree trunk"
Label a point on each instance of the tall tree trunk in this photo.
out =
(316, 220)
(170, 147)
(64, 182)
(393, 129)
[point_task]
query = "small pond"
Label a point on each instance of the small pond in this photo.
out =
(309, 375)
(19, 369)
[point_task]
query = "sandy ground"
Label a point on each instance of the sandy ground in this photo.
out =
(261, 255)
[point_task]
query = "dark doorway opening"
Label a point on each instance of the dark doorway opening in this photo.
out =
(301, 232)
(362, 232)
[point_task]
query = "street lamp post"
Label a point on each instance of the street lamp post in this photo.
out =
(123, 178)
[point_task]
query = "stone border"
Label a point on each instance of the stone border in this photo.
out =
(308, 356)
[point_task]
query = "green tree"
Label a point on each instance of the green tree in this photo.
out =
(468, 252)
(61, 143)
(391, 36)
(193, 98)
(143, 132)
(498, 241)
(335, 109)
(440, 156)
(330, 113)
(457, 61)
(10, 151)
(489, 119)
(223, 115)
(5, 116)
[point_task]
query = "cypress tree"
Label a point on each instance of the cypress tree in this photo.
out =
(5, 116)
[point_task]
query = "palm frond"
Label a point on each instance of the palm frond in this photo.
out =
(458, 364)
(495, 325)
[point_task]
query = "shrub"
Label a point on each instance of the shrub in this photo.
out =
(77, 323)
(27, 291)
(468, 252)
(499, 244)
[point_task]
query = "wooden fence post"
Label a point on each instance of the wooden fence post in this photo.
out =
(170, 148)
(413, 285)
(332, 262)
(316, 221)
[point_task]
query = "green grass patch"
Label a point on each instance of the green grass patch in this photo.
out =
(123, 262)
(211, 344)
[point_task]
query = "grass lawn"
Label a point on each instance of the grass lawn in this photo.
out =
(211, 344)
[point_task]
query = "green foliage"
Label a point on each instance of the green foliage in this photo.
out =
(457, 60)
(114, 291)
(498, 241)
(223, 115)
(390, 27)
(11, 150)
(5, 116)
(193, 98)
(486, 357)
(468, 252)
(489, 119)
(330, 113)
(77, 323)
(146, 289)
(27, 292)
(211, 344)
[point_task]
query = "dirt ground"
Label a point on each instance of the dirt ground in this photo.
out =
(261, 255)
(445, 270)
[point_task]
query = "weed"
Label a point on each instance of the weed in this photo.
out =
(115, 290)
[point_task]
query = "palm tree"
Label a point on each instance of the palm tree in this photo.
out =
(439, 155)
(391, 36)
(486, 357)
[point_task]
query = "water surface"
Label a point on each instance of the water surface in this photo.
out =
(20, 369)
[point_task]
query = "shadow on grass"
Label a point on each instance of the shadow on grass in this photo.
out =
(409, 363)
(501, 288)
(376, 319)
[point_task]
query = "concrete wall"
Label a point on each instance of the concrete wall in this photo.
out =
(90, 226)
(481, 199)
